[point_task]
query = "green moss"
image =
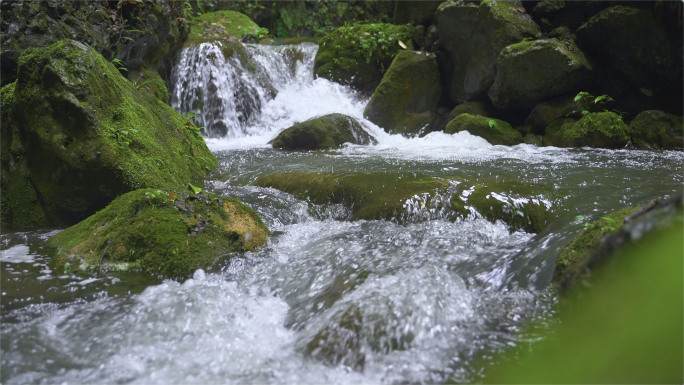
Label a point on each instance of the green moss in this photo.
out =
(148, 80)
(358, 55)
(88, 135)
(601, 129)
(368, 196)
(657, 129)
(406, 100)
(222, 25)
(325, 132)
(575, 257)
(515, 204)
(162, 232)
(495, 131)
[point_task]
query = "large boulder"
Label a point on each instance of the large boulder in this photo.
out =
(358, 55)
(406, 100)
(494, 131)
(137, 33)
(657, 129)
(472, 35)
(531, 71)
(598, 129)
(631, 42)
(324, 132)
(225, 25)
(76, 134)
(163, 232)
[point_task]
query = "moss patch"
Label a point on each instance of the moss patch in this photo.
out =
(657, 129)
(224, 25)
(162, 232)
(495, 131)
(368, 196)
(358, 55)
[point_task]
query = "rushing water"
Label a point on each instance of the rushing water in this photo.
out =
(428, 299)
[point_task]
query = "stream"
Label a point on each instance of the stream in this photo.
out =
(425, 298)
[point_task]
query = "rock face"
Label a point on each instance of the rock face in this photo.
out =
(359, 55)
(531, 71)
(406, 100)
(631, 42)
(494, 131)
(76, 134)
(167, 233)
(138, 33)
(599, 129)
(472, 36)
(327, 131)
(657, 129)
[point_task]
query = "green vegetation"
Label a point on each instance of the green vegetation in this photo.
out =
(221, 25)
(360, 54)
(163, 232)
(596, 129)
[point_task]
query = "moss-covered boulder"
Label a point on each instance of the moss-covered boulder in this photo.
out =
(520, 206)
(406, 100)
(376, 195)
(163, 232)
(657, 129)
(148, 80)
(76, 134)
(472, 34)
(531, 71)
(324, 132)
(472, 108)
(358, 55)
(633, 43)
(225, 25)
(494, 131)
(552, 110)
(599, 129)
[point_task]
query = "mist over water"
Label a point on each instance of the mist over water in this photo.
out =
(427, 299)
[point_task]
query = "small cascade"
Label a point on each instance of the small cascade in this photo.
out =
(225, 85)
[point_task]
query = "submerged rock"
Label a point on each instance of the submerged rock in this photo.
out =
(607, 234)
(600, 130)
(162, 232)
(494, 131)
(531, 71)
(358, 55)
(376, 195)
(324, 132)
(406, 100)
(657, 129)
(473, 35)
(76, 134)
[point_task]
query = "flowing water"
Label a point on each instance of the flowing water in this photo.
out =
(424, 298)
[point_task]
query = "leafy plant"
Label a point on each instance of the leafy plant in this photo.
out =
(587, 103)
(118, 64)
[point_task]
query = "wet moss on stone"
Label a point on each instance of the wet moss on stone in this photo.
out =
(224, 25)
(325, 132)
(369, 196)
(163, 232)
(600, 129)
(495, 131)
(657, 129)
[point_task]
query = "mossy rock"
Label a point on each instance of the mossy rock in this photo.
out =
(225, 25)
(369, 196)
(79, 134)
(575, 258)
(406, 100)
(163, 232)
(472, 34)
(544, 113)
(599, 129)
(358, 55)
(657, 129)
(472, 108)
(515, 204)
(495, 131)
(325, 132)
(531, 71)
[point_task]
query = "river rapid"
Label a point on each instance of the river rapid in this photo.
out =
(424, 298)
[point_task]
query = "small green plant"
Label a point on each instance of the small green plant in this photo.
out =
(492, 124)
(141, 83)
(118, 64)
(587, 103)
(194, 189)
